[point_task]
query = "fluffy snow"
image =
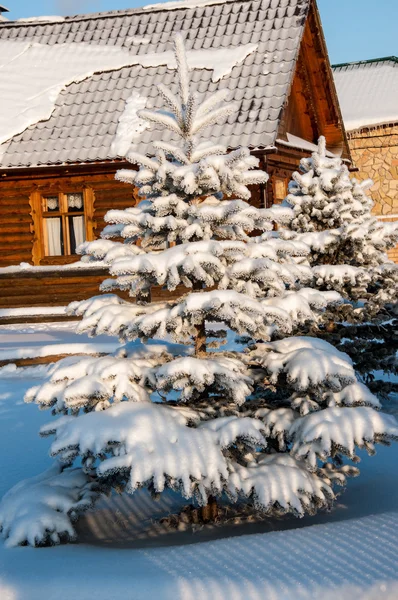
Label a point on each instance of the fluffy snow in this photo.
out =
(182, 4)
(307, 362)
(155, 444)
(126, 554)
(320, 433)
(32, 310)
(47, 339)
(43, 507)
(58, 349)
(280, 479)
(49, 19)
(129, 124)
(33, 75)
(188, 374)
(87, 381)
(22, 267)
(368, 93)
(294, 141)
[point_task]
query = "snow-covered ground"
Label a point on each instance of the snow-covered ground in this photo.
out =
(49, 339)
(351, 553)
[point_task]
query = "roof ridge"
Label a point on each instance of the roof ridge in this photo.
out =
(366, 62)
(157, 7)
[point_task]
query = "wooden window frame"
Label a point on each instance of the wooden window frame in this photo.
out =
(39, 254)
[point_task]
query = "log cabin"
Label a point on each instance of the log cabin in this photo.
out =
(71, 88)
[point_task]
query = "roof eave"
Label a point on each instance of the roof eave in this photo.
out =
(331, 79)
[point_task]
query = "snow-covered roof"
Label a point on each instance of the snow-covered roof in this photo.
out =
(65, 85)
(368, 92)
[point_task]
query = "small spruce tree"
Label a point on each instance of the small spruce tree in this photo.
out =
(265, 426)
(332, 215)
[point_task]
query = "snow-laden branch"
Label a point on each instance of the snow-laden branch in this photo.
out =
(338, 430)
(152, 444)
(306, 363)
(192, 376)
(41, 510)
(94, 383)
(240, 313)
(279, 484)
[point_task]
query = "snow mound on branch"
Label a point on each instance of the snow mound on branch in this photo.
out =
(300, 304)
(297, 342)
(277, 423)
(317, 299)
(93, 383)
(192, 374)
(185, 263)
(280, 484)
(179, 220)
(40, 510)
(88, 307)
(322, 434)
(356, 394)
(107, 250)
(108, 314)
(153, 444)
(307, 363)
(240, 313)
(257, 276)
(340, 275)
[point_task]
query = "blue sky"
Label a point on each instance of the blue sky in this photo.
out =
(354, 29)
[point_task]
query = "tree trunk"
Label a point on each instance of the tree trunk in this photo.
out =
(142, 300)
(209, 512)
(200, 339)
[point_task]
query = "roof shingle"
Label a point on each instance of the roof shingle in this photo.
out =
(83, 124)
(368, 92)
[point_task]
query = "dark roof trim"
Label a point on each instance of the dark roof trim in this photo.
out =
(366, 62)
(3, 9)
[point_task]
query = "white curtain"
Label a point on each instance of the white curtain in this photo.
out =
(53, 226)
(79, 230)
(75, 201)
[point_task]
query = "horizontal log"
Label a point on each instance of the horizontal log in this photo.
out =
(17, 228)
(56, 274)
(32, 300)
(40, 360)
(21, 319)
(16, 238)
(51, 289)
(10, 208)
(23, 218)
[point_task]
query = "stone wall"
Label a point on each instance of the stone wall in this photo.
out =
(375, 153)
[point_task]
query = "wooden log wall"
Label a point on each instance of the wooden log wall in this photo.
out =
(17, 236)
(17, 231)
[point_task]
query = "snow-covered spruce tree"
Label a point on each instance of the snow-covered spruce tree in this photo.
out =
(184, 414)
(332, 214)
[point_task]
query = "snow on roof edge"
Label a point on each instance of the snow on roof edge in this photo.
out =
(41, 19)
(352, 126)
(369, 61)
(124, 12)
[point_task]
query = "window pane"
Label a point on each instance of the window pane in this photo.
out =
(75, 202)
(51, 203)
(280, 189)
(77, 233)
(53, 243)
